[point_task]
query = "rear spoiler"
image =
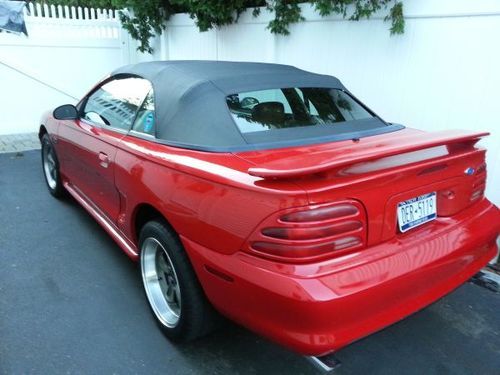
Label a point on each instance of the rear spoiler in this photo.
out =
(364, 151)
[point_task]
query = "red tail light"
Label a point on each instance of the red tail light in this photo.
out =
(479, 184)
(318, 214)
(311, 233)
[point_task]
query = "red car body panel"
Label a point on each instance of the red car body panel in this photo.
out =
(218, 203)
(318, 308)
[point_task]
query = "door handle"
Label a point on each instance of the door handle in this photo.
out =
(103, 160)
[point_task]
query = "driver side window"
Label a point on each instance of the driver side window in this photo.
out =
(115, 103)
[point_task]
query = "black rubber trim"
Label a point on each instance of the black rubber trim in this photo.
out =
(282, 144)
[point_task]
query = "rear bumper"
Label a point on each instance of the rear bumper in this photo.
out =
(318, 308)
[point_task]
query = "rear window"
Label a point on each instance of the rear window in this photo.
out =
(274, 109)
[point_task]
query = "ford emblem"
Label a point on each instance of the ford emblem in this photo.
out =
(469, 171)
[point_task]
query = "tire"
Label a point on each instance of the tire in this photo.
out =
(50, 167)
(173, 291)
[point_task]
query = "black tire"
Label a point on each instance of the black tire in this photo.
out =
(197, 316)
(52, 178)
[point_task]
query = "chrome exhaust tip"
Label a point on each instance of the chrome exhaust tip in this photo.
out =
(326, 363)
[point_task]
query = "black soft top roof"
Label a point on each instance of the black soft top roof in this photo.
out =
(190, 97)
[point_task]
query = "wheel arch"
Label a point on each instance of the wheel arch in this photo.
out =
(42, 131)
(143, 213)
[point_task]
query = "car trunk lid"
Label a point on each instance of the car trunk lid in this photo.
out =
(383, 171)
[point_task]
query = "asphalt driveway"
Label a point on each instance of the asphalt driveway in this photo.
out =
(72, 302)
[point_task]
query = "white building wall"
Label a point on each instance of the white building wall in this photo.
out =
(443, 73)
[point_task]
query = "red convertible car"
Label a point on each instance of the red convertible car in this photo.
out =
(273, 196)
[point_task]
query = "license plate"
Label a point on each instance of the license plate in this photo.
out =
(416, 211)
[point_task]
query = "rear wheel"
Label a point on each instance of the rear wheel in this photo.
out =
(172, 288)
(50, 165)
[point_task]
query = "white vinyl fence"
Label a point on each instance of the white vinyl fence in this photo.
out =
(67, 50)
(443, 73)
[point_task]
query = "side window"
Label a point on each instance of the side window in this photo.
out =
(145, 120)
(116, 102)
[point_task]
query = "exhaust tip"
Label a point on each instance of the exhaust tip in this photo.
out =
(326, 363)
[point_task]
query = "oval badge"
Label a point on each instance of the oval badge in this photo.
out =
(469, 171)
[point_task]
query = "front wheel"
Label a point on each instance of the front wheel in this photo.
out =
(50, 165)
(172, 288)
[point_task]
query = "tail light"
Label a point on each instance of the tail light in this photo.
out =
(479, 183)
(455, 198)
(311, 233)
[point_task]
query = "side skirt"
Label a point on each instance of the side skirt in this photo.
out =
(127, 246)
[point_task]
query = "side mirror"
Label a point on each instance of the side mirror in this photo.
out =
(65, 112)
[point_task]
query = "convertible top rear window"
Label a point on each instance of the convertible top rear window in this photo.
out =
(272, 109)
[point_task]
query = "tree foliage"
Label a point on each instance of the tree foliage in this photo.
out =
(148, 17)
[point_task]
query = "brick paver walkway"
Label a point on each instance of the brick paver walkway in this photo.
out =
(19, 142)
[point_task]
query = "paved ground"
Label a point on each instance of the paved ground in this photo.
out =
(19, 142)
(71, 302)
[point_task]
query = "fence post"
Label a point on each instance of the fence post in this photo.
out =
(164, 52)
(129, 53)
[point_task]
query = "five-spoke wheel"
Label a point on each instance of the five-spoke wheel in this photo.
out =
(50, 165)
(160, 282)
(172, 288)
